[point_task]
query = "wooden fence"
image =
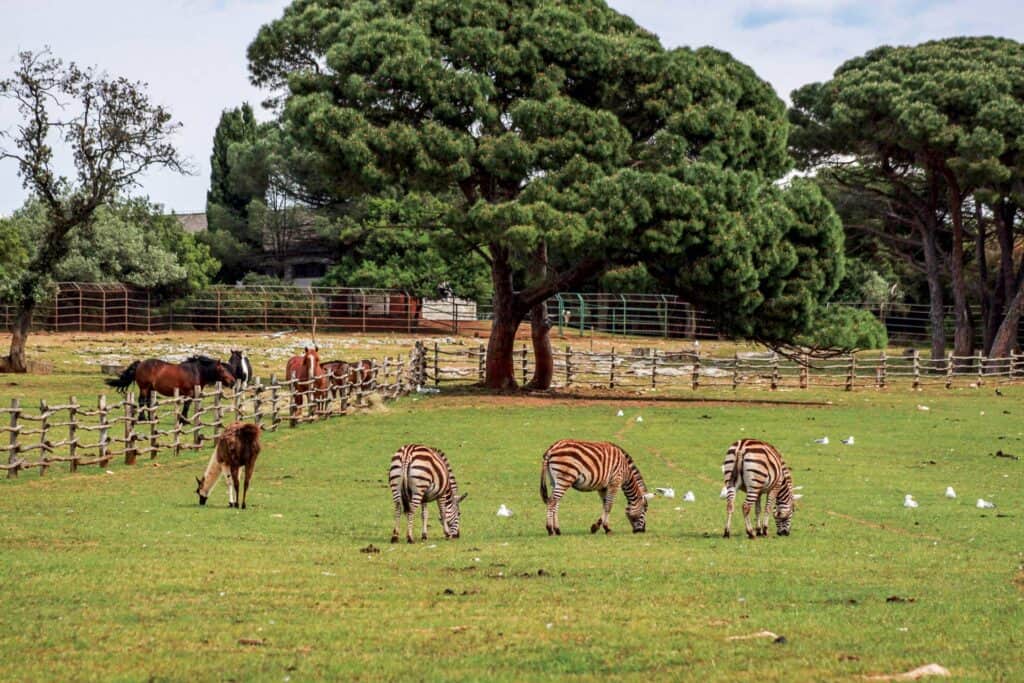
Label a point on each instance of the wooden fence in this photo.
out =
(81, 435)
(656, 369)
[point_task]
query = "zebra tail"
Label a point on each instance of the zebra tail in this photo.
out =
(404, 491)
(544, 479)
(125, 380)
(737, 468)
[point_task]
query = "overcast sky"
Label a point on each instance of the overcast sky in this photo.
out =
(192, 52)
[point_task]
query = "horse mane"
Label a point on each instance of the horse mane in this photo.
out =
(201, 360)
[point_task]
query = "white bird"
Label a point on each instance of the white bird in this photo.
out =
(504, 511)
(639, 419)
(620, 414)
(950, 493)
(797, 496)
(668, 493)
(909, 502)
(724, 493)
(848, 441)
(689, 497)
(984, 504)
(823, 441)
(920, 407)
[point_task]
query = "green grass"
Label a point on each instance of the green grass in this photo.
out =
(123, 577)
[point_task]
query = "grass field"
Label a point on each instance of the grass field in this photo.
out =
(122, 576)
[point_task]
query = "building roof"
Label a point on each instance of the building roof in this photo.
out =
(192, 222)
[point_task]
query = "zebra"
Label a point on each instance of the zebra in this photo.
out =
(757, 467)
(593, 466)
(418, 475)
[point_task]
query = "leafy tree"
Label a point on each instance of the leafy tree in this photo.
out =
(113, 133)
(926, 127)
(554, 140)
(844, 327)
(227, 201)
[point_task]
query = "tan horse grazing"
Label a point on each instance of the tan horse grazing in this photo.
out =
(238, 446)
(308, 374)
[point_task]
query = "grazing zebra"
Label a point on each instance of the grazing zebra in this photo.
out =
(418, 475)
(593, 466)
(757, 467)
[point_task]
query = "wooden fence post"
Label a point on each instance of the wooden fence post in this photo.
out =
(197, 416)
(44, 426)
(568, 365)
(129, 429)
(437, 365)
(917, 369)
(257, 401)
(654, 370)
(154, 428)
(482, 362)
(981, 369)
(775, 371)
(275, 416)
(695, 373)
(949, 370)
(611, 370)
(73, 434)
(735, 370)
(882, 370)
(218, 411)
(293, 406)
(177, 422)
(851, 372)
(1013, 363)
(805, 372)
(525, 378)
(236, 400)
(12, 452)
(104, 428)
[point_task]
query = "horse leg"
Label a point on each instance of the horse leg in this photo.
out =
(183, 418)
(234, 483)
(248, 476)
(225, 472)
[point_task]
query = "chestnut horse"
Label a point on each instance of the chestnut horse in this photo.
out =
(345, 375)
(156, 375)
(308, 374)
(237, 447)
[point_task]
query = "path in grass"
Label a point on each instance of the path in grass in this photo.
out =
(123, 576)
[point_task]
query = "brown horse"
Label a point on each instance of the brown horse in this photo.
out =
(156, 375)
(345, 375)
(237, 447)
(308, 374)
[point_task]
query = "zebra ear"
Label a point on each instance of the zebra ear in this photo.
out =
(648, 496)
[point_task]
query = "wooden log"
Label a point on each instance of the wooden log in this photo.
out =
(293, 406)
(257, 402)
(44, 425)
(654, 369)
(611, 370)
(275, 414)
(437, 366)
(130, 453)
(735, 370)
(72, 434)
(882, 370)
(568, 365)
(13, 448)
(805, 371)
(851, 372)
(103, 445)
(154, 428)
(949, 370)
(695, 375)
(218, 411)
(917, 369)
(775, 371)
(481, 362)
(197, 417)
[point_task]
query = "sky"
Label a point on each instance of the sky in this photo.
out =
(192, 52)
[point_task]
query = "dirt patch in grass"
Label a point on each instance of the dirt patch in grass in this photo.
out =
(477, 398)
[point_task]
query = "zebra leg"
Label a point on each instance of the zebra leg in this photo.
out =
(757, 516)
(556, 496)
(609, 498)
(396, 496)
(414, 505)
(748, 503)
(730, 505)
(769, 505)
(423, 514)
(601, 521)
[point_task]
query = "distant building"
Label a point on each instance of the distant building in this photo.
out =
(295, 251)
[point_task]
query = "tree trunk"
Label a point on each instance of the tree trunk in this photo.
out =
(501, 345)
(963, 337)
(544, 359)
(936, 304)
(985, 291)
(16, 361)
(1006, 337)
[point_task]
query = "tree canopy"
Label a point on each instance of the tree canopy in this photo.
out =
(929, 129)
(554, 140)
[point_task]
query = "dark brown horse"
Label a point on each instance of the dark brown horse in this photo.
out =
(308, 374)
(156, 375)
(237, 447)
(345, 375)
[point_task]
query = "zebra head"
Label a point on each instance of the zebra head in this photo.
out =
(452, 515)
(783, 518)
(636, 513)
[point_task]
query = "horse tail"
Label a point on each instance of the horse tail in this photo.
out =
(125, 380)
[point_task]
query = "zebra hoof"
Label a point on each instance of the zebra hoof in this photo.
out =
(594, 528)
(751, 536)
(726, 534)
(394, 539)
(783, 533)
(409, 540)
(558, 532)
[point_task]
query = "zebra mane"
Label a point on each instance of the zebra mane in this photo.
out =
(634, 472)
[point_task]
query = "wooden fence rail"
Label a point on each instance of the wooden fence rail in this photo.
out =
(81, 436)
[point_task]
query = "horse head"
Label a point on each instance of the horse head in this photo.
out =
(199, 490)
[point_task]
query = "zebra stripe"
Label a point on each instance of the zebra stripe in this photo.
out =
(757, 467)
(593, 466)
(418, 475)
